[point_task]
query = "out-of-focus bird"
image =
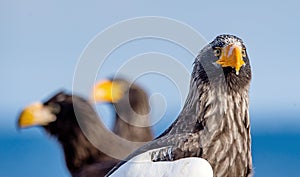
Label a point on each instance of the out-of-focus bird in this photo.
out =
(58, 118)
(131, 104)
(214, 123)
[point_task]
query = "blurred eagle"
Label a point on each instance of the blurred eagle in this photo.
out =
(60, 114)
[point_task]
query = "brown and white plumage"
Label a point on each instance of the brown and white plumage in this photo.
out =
(214, 123)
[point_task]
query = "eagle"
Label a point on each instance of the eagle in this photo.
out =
(214, 123)
(131, 105)
(64, 115)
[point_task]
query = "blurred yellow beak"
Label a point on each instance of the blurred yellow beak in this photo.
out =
(231, 56)
(107, 91)
(35, 114)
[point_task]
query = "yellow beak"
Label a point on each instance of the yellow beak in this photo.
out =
(35, 114)
(231, 56)
(107, 91)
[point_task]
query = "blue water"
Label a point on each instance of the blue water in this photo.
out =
(276, 155)
(32, 153)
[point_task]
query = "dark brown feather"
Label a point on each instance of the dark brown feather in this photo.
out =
(80, 154)
(83, 159)
(133, 113)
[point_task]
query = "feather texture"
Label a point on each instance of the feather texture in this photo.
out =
(214, 123)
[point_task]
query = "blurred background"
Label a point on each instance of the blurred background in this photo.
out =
(41, 43)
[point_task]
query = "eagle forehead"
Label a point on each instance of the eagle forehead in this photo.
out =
(226, 39)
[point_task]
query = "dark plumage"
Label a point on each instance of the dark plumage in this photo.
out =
(57, 117)
(71, 119)
(214, 123)
(132, 108)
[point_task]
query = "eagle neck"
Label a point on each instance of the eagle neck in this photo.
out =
(225, 135)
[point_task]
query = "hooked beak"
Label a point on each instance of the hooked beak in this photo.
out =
(107, 91)
(35, 114)
(231, 56)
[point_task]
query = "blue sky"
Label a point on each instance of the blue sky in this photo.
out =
(41, 42)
